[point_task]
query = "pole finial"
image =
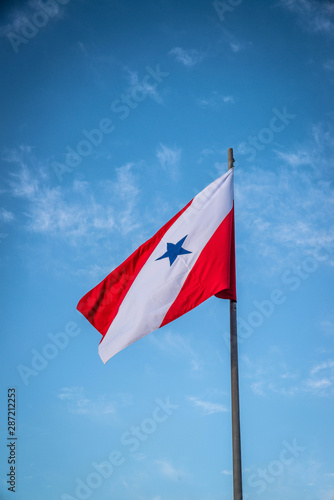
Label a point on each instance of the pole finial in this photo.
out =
(230, 159)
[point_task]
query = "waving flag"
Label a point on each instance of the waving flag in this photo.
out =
(188, 260)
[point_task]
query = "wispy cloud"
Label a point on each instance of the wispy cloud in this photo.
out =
(175, 344)
(314, 15)
(18, 17)
(188, 58)
(326, 493)
(91, 271)
(79, 403)
(289, 213)
(236, 44)
(258, 388)
(295, 159)
(322, 366)
(314, 152)
(267, 377)
(319, 385)
(271, 374)
(6, 216)
(321, 379)
(327, 325)
(16, 20)
(141, 87)
(72, 213)
(207, 407)
(169, 159)
(329, 65)
(125, 183)
(215, 101)
(169, 471)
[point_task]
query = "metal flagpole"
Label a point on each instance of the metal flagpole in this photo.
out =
(236, 444)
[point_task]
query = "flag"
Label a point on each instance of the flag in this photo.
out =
(190, 259)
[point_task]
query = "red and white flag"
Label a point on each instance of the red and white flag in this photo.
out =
(189, 259)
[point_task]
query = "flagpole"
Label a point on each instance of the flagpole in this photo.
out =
(236, 443)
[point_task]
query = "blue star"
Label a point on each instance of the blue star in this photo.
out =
(174, 251)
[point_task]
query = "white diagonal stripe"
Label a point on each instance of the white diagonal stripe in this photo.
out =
(158, 284)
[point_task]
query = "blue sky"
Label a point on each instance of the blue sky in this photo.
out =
(113, 116)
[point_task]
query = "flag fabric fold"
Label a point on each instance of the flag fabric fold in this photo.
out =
(191, 258)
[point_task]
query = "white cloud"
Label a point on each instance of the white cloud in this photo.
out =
(295, 159)
(321, 379)
(228, 99)
(288, 213)
(267, 377)
(169, 159)
(326, 494)
(188, 58)
(71, 393)
(257, 388)
(79, 403)
(23, 184)
(236, 46)
(150, 89)
(75, 212)
(327, 326)
(215, 101)
(226, 472)
(322, 366)
(169, 471)
(93, 272)
(207, 407)
(329, 65)
(175, 344)
(314, 15)
(318, 385)
(6, 216)
(125, 184)
(18, 18)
